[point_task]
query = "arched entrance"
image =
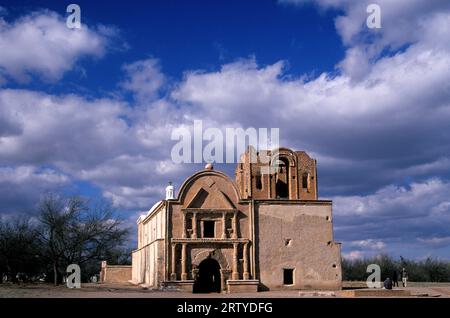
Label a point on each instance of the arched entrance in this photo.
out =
(282, 179)
(208, 277)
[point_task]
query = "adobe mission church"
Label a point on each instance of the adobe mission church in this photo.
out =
(267, 230)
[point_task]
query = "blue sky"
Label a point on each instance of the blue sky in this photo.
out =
(91, 111)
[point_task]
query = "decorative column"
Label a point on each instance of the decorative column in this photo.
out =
(223, 282)
(245, 252)
(194, 225)
(235, 225)
(224, 225)
(235, 272)
(183, 235)
(173, 274)
(183, 262)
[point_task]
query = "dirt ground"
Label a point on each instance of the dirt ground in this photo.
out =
(441, 290)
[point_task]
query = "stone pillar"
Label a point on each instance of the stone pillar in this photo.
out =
(224, 225)
(235, 272)
(183, 262)
(223, 282)
(235, 225)
(183, 235)
(173, 274)
(245, 252)
(194, 225)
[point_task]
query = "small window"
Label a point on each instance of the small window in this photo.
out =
(208, 228)
(258, 182)
(288, 276)
(305, 181)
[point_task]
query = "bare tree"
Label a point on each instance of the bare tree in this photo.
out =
(19, 249)
(74, 232)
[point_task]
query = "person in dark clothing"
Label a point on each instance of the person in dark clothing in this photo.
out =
(388, 283)
(394, 278)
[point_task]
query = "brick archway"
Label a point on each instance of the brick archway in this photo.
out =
(215, 254)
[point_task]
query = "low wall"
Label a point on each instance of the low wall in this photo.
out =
(115, 273)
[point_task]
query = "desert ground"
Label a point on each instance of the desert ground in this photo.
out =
(441, 290)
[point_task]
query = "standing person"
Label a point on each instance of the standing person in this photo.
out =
(394, 278)
(404, 277)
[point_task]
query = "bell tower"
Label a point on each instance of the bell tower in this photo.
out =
(280, 174)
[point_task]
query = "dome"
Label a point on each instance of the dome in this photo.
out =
(170, 192)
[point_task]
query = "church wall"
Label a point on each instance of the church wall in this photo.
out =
(148, 261)
(311, 251)
(115, 273)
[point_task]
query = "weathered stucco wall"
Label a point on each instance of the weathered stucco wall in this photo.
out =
(299, 237)
(148, 259)
(115, 273)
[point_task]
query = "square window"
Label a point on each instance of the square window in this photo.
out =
(288, 276)
(208, 229)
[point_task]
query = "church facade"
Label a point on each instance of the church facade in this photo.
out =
(266, 230)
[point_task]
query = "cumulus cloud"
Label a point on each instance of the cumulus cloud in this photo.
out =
(387, 121)
(374, 128)
(22, 186)
(67, 130)
(378, 128)
(395, 217)
(41, 44)
(103, 141)
(404, 23)
(353, 255)
(369, 244)
(144, 79)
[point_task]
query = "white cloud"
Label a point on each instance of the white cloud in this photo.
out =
(395, 218)
(23, 174)
(390, 115)
(67, 130)
(131, 197)
(22, 186)
(119, 148)
(353, 255)
(41, 44)
(416, 200)
(404, 22)
(144, 79)
(368, 244)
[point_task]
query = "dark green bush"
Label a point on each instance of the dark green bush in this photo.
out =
(429, 270)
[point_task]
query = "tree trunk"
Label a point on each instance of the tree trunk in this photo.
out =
(55, 274)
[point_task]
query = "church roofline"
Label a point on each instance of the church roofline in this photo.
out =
(205, 172)
(291, 201)
(153, 209)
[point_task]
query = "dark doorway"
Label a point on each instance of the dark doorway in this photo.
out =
(208, 277)
(288, 276)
